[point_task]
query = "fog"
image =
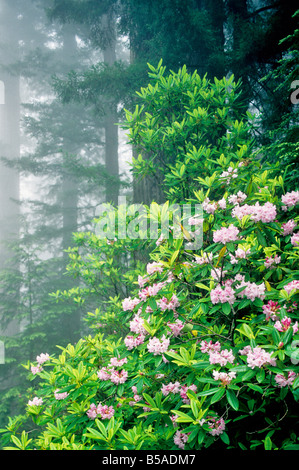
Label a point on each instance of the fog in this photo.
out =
(44, 194)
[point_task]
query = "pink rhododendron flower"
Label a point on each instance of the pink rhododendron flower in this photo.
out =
(209, 207)
(142, 281)
(118, 362)
(118, 377)
(130, 304)
(35, 402)
(222, 357)
(217, 427)
(230, 173)
(288, 227)
(269, 261)
(105, 411)
(195, 221)
(218, 273)
(60, 396)
(252, 291)
(257, 357)
(160, 240)
(150, 291)
(136, 325)
(290, 199)
(183, 392)
(132, 342)
(222, 295)
(92, 411)
(222, 203)
(281, 381)
(157, 346)
(226, 234)
(42, 358)
(266, 213)
(293, 285)
(225, 378)
(170, 388)
(36, 369)
(104, 373)
(154, 267)
(284, 325)
(165, 304)
(237, 198)
(295, 239)
(176, 327)
(180, 439)
(173, 419)
(271, 309)
(207, 347)
(204, 259)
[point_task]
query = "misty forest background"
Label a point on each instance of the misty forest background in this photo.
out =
(68, 70)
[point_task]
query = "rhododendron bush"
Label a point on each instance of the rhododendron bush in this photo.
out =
(209, 356)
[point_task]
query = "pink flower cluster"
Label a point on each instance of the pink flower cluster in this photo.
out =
(130, 304)
(204, 259)
(269, 261)
(252, 291)
(240, 253)
(115, 376)
(132, 342)
(230, 173)
(237, 198)
(290, 199)
(217, 427)
(293, 285)
(288, 227)
(283, 382)
(150, 291)
(284, 325)
(155, 267)
(222, 295)
(40, 360)
(137, 397)
(180, 439)
(208, 206)
(102, 411)
(222, 357)
(136, 325)
(157, 346)
(257, 357)
(216, 356)
(265, 213)
(226, 234)
(225, 378)
(176, 388)
(165, 304)
(295, 239)
(176, 327)
(35, 402)
(60, 396)
(271, 309)
(195, 221)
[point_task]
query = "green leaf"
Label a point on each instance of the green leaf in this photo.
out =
(218, 395)
(268, 443)
(246, 331)
(232, 399)
(226, 308)
(256, 388)
(261, 239)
